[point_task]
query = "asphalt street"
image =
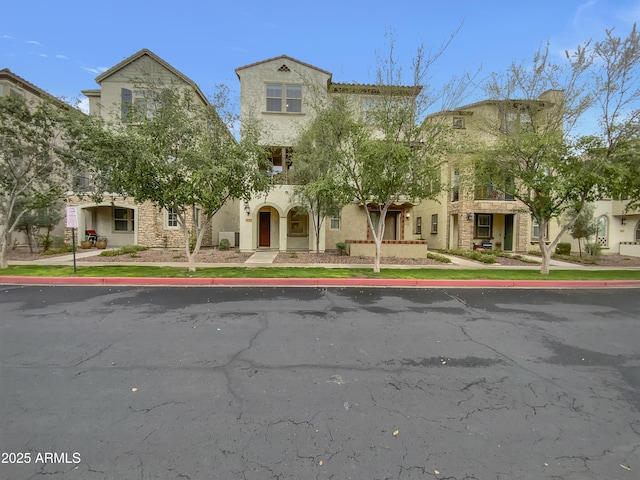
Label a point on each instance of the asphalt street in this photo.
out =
(319, 383)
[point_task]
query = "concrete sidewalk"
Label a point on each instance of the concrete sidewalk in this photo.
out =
(266, 258)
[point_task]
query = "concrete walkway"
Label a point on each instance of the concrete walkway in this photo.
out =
(262, 257)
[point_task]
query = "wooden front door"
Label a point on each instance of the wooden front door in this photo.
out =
(265, 229)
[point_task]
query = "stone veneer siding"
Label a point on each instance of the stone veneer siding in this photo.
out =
(150, 224)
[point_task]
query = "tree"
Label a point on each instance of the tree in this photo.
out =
(584, 225)
(387, 154)
(34, 168)
(316, 189)
(541, 162)
(32, 221)
(181, 156)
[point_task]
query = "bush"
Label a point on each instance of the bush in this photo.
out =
(342, 247)
(438, 257)
(224, 245)
(471, 254)
(129, 249)
(593, 249)
(563, 249)
(56, 251)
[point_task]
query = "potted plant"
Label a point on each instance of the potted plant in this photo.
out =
(85, 244)
(101, 242)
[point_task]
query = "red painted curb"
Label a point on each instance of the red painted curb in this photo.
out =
(313, 282)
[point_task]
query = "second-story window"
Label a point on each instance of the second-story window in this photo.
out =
(284, 98)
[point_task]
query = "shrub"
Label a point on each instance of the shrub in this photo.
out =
(593, 249)
(438, 257)
(342, 247)
(224, 245)
(563, 249)
(471, 254)
(129, 249)
(56, 251)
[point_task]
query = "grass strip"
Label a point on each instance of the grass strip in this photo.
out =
(316, 272)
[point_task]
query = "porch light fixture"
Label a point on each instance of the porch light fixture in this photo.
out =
(247, 208)
(408, 215)
(469, 217)
(623, 221)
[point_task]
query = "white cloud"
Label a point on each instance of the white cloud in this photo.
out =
(63, 57)
(8, 36)
(91, 70)
(33, 42)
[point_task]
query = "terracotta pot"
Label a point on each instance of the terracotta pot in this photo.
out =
(86, 244)
(102, 244)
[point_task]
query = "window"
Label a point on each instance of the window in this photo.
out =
(458, 122)
(602, 236)
(126, 100)
(484, 223)
(455, 186)
(434, 223)
(122, 220)
(535, 230)
(139, 105)
(196, 216)
(297, 223)
(335, 223)
(293, 98)
(637, 235)
(171, 218)
(515, 121)
(14, 92)
(418, 225)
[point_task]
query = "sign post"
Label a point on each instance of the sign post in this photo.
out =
(72, 223)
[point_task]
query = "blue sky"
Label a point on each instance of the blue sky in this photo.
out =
(62, 46)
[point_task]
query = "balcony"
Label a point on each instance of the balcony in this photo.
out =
(490, 193)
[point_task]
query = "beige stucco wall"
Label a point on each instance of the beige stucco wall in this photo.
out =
(144, 71)
(280, 128)
(279, 203)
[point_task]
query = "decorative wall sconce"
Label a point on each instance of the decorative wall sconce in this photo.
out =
(247, 208)
(469, 217)
(408, 215)
(623, 221)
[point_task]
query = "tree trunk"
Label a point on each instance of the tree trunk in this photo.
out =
(4, 240)
(376, 260)
(546, 258)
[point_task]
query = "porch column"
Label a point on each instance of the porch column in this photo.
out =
(282, 244)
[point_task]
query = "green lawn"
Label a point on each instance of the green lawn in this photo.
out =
(309, 272)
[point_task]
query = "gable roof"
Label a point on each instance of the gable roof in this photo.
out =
(5, 73)
(284, 57)
(20, 82)
(129, 60)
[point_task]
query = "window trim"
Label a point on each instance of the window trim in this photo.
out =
(534, 226)
(284, 97)
(336, 219)
(129, 219)
(168, 214)
(603, 240)
(434, 223)
(478, 226)
(418, 225)
(304, 223)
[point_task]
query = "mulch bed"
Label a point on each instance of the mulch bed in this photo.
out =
(205, 255)
(335, 258)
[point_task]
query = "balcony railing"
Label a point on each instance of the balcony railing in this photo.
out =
(491, 194)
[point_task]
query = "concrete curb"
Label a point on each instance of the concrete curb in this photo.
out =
(314, 282)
